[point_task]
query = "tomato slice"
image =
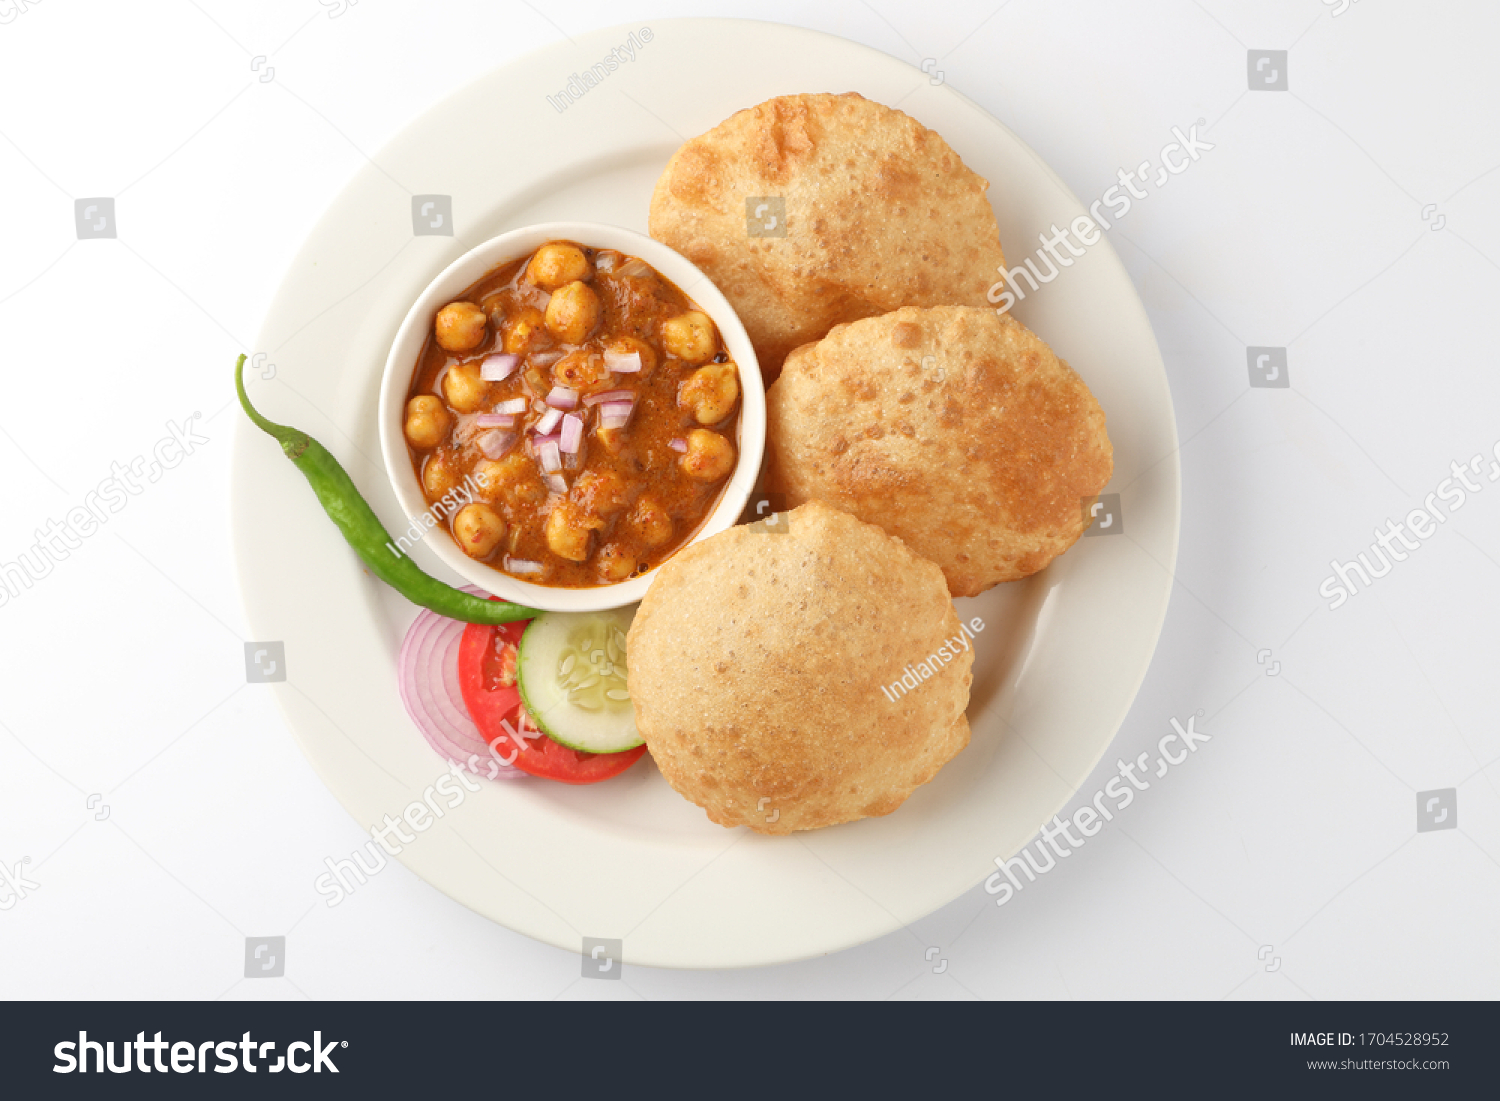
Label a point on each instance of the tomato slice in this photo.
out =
(487, 679)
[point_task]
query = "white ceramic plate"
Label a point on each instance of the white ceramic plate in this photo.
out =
(1056, 668)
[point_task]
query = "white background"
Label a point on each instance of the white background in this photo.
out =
(1281, 861)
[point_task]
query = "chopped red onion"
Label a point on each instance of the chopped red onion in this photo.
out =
(511, 406)
(556, 482)
(610, 395)
(520, 565)
(624, 362)
(495, 442)
(545, 359)
(677, 444)
(499, 367)
(548, 455)
(563, 397)
(548, 422)
(615, 414)
(495, 420)
(572, 434)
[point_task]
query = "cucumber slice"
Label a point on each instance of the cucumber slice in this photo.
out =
(571, 671)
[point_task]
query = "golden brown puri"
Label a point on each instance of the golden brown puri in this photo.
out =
(956, 429)
(879, 213)
(757, 666)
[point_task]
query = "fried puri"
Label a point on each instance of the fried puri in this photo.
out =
(812, 210)
(956, 429)
(762, 666)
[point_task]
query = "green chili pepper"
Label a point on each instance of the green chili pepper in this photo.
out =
(362, 528)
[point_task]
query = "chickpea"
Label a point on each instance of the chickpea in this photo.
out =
(460, 327)
(599, 495)
(567, 536)
(494, 309)
(613, 563)
(689, 336)
(438, 477)
(426, 421)
(580, 370)
(627, 344)
(464, 389)
(489, 479)
(649, 520)
(709, 456)
(511, 481)
(526, 332)
(478, 530)
(573, 312)
(710, 392)
(554, 265)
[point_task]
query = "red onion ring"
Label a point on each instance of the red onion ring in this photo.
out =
(427, 680)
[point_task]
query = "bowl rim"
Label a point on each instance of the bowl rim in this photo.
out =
(464, 272)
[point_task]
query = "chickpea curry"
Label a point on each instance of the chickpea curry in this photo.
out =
(589, 405)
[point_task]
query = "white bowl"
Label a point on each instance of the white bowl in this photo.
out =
(467, 270)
